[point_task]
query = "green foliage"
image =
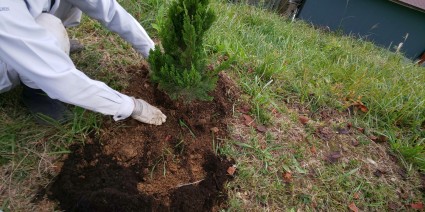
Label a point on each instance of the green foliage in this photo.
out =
(179, 67)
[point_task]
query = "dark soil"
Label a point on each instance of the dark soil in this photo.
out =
(132, 166)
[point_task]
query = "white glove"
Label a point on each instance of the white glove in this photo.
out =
(146, 113)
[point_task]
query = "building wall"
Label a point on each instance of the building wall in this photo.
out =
(384, 22)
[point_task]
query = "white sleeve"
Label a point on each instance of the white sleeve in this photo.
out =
(35, 54)
(117, 19)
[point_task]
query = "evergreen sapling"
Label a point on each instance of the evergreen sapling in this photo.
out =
(179, 67)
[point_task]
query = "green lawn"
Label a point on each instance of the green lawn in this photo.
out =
(286, 70)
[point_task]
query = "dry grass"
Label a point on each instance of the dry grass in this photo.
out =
(20, 182)
(365, 173)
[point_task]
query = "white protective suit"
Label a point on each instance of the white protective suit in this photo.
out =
(31, 53)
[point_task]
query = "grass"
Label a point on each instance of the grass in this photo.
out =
(28, 152)
(286, 69)
(263, 160)
(280, 60)
(282, 64)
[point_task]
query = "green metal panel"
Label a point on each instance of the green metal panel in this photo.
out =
(381, 21)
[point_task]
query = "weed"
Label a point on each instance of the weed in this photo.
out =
(183, 124)
(179, 147)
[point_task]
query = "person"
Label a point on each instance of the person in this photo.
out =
(34, 52)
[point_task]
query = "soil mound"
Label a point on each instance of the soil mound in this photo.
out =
(137, 167)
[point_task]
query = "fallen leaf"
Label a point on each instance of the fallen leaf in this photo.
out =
(363, 108)
(355, 143)
(247, 117)
(378, 173)
(261, 128)
(353, 207)
(248, 120)
(402, 173)
(56, 168)
(287, 177)
(237, 138)
(202, 121)
(378, 139)
(343, 131)
(276, 113)
(382, 138)
(225, 57)
(231, 170)
(313, 150)
(404, 195)
(356, 195)
(245, 109)
(303, 119)
(333, 157)
(373, 138)
(324, 133)
(168, 138)
(393, 206)
(210, 67)
(349, 125)
(359, 105)
(215, 130)
(360, 129)
(418, 205)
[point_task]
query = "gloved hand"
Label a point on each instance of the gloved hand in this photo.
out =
(146, 113)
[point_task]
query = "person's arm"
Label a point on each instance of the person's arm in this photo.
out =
(117, 19)
(34, 53)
